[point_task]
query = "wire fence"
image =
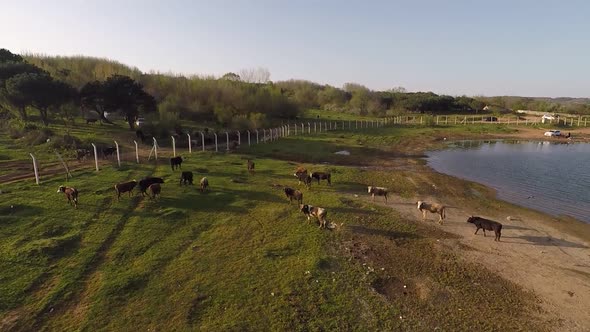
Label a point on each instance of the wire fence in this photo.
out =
(223, 141)
(136, 152)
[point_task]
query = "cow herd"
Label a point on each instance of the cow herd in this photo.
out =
(151, 186)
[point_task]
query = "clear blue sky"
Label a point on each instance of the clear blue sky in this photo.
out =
(533, 48)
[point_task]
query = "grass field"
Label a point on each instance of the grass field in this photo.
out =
(240, 257)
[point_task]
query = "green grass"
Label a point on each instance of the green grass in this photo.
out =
(240, 257)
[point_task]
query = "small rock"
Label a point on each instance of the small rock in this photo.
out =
(405, 286)
(382, 269)
(570, 293)
(272, 294)
(355, 195)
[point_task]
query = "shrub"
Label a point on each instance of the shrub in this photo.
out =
(37, 137)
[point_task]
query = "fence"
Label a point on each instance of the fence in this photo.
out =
(227, 140)
(221, 141)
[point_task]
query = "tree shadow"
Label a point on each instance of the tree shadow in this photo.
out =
(545, 241)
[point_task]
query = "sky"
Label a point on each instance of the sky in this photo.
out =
(519, 47)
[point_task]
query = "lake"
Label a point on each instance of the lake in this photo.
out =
(547, 176)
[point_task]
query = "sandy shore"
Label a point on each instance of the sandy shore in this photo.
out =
(547, 255)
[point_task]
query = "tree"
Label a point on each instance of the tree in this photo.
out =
(7, 57)
(118, 94)
(124, 95)
(255, 75)
(231, 77)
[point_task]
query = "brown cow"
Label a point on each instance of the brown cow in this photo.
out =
(70, 193)
(125, 187)
(318, 212)
(294, 194)
(155, 189)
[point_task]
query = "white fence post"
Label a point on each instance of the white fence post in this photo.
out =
(295, 128)
(118, 155)
(308, 128)
(248, 137)
(264, 135)
(155, 148)
(227, 140)
(289, 130)
(216, 148)
(257, 141)
(35, 168)
(136, 151)
(173, 146)
(95, 156)
(202, 140)
(190, 143)
(239, 138)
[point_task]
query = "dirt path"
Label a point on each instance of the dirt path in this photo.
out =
(555, 266)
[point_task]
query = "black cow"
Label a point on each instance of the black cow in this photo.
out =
(186, 178)
(146, 182)
(176, 162)
(486, 224)
(322, 176)
(106, 152)
(81, 154)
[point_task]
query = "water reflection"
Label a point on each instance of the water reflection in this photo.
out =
(550, 176)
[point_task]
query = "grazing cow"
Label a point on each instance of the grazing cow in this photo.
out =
(88, 121)
(314, 211)
(250, 166)
(125, 187)
(302, 176)
(204, 184)
(70, 193)
(145, 183)
(432, 208)
(322, 176)
(186, 178)
(176, 162)
(106, 152)
(155, 189)
(294, 194)
(486, 224)
(378, 191)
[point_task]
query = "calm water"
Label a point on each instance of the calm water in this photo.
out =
(549, 177)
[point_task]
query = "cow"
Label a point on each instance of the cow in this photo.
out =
(124, 187)
(146, 182)
(186, 178)
(322, 176)
(106, 152)
(294, 194)
(486, 224)
(155, 189)
(302, 176)
(378, 191)
(251, 166)
(204, 184)
(71, 195)
(176, 162)
(88, 121)
(314, 211)
(432, 208)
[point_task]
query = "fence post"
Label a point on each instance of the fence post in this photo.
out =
(437, 120)
(118, 155)
(173, 145)
(248, 137)
(239, 138)
(136, 151)
(155, 148)
(227, 140)
(190, 143)
(579, 118)
(202, 140)
(95, 156)
(585, 119)
(308, 128)
(257, 141)
(216, 147)
(35, 168)
(526, 122)
(295, 128)
(315, 127)
(289, 130)
(264, 135)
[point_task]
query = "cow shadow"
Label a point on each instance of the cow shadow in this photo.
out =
(545, 241)
(520, 228)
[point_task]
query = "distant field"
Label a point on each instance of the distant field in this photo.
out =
(240, 257)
